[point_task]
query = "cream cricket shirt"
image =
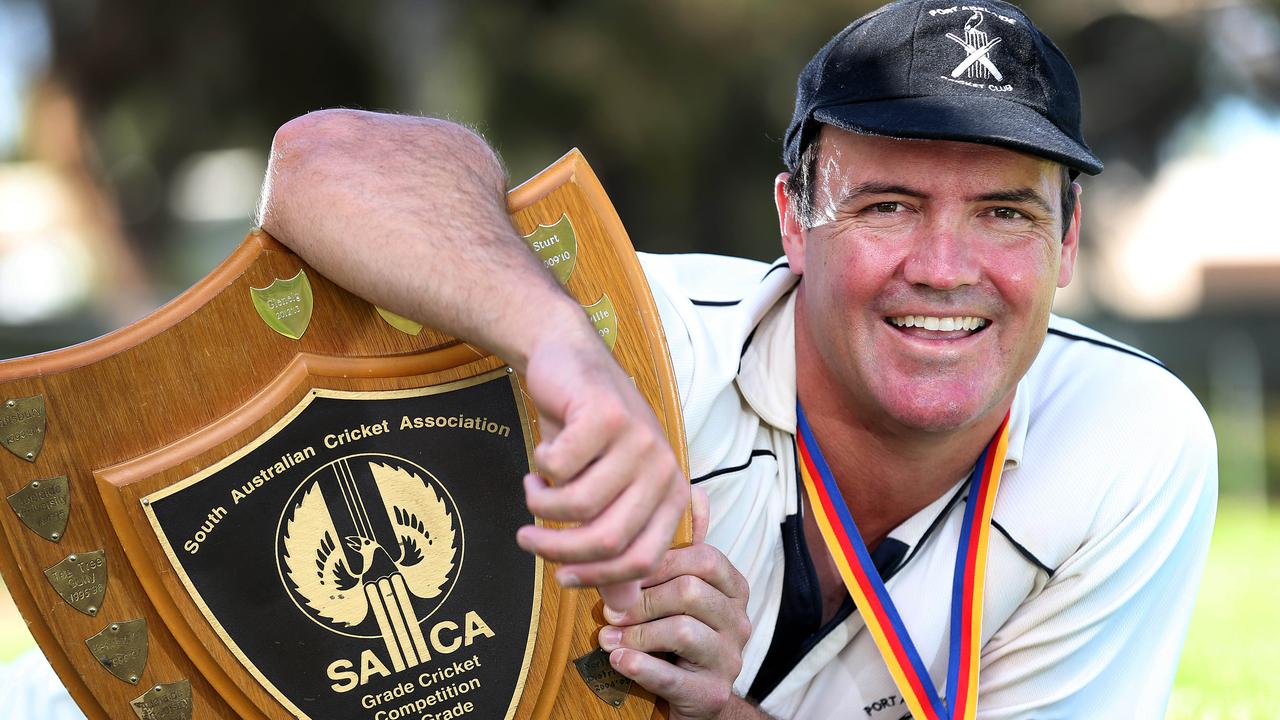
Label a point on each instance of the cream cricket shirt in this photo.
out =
(1102, 519)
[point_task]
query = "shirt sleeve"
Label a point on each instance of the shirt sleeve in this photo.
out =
(1102, 637)
(704, 351)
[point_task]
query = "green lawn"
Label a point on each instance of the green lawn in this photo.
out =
(1231, 665)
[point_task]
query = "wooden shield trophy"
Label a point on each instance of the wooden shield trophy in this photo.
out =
(271, 499)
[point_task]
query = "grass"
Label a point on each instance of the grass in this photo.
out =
(1232, 657)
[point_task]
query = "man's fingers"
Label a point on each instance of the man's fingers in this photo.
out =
(678, 685)
(585, 434)
(703, 561)
(608, 466)
(567, 453)
(623, 467)
(682, 635)
(640, 558)
(690, 596)
(620, 595)
(610, 534)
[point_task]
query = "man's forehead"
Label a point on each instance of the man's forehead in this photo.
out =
(845, 156)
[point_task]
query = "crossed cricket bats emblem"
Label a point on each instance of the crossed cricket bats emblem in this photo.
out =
(977, 47)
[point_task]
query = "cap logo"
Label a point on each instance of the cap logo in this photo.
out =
(976, 64)
(976, 69)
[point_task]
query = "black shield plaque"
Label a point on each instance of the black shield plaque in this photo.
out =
(360, 555)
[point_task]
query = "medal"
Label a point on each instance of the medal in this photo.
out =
(872, 599)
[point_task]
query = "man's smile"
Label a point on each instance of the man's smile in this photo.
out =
(938, 327)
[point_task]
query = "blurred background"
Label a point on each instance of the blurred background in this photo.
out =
(134, 135)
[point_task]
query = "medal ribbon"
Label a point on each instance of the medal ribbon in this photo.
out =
(872, 599)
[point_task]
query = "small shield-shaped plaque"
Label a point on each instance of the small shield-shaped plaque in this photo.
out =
(167, 701)
(399, 322)
(22, 426)
(122, 649)
(81, 580)
(43, 506)
(557, 246)
(605, 318)
(608, 684)
(285, 305)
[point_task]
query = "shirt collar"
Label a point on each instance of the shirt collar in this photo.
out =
(767, 375)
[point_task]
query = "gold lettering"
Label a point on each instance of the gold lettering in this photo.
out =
(341, 670)
(476, 626)
(370, 665)
(438, 644)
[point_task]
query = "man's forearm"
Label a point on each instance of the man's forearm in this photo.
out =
(410, 213)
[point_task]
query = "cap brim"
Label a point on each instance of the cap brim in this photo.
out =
(987, 120)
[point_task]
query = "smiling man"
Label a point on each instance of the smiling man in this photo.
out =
(944, 499)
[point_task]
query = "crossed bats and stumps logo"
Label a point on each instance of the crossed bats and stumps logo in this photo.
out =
(977, 63)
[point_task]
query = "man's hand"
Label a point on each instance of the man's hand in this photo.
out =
(695, 607)
(610, 468)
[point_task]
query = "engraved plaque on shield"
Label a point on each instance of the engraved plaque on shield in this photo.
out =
(22, 423)
(43, 506)
(81, 580)
(285, 305)
(605, 318)
(167, 701)
(360, 555)
(556, 246)
(122, 649)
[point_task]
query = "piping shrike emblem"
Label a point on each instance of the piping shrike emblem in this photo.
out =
(388, 575)
(977, 63)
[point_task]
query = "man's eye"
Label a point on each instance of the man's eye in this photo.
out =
(1005, 213)
(886, 207)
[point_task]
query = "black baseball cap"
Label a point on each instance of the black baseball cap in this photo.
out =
(930, 69)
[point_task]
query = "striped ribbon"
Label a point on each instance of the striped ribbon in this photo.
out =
(872, 599)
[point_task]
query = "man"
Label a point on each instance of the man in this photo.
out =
(846, 407)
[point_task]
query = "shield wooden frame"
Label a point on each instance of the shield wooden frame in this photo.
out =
(133, 411)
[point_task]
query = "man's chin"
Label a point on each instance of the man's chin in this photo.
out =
(938, 414)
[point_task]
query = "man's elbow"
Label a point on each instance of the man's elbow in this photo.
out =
(320, 158)
(307, 138)
(303, 151)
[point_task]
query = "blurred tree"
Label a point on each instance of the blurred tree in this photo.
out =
(157, 81)
(679, 105)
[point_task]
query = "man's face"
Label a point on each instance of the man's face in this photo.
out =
(928, 276)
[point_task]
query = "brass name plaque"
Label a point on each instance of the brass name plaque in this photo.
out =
(22, 426)
(81, 580)
(167, 701)
(122, 649)
(44, 506)
(285, 305)
(556, 246)
(335, 554)
(399, 322)
(608, 684)
(605, 318)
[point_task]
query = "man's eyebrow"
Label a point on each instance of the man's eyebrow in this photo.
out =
(1019, 195)
(878, 188)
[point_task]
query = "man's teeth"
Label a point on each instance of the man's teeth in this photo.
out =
(939, 323)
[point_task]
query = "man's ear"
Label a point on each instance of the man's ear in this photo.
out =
(789, 225)
(1070, 242)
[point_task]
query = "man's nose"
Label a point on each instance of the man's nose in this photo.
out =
(941, 257)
